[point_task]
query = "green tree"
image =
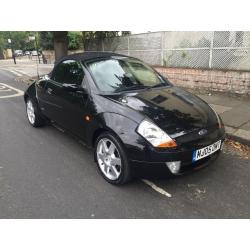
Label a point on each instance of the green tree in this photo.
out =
(46, 40)
(2, 46)
(126, 33)
(75, 40)
(2, 42)
(96, 36)
(103, 34)
(62, 39)
(19, 40)
(4, 35)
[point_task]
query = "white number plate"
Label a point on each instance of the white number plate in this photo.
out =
(204, 152)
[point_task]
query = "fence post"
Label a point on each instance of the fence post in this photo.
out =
(128, 46)
(162, 45)
(211, 51)
(102, 44)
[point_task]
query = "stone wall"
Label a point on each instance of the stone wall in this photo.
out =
(211, 80)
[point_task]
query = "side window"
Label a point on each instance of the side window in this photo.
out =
(69, 72)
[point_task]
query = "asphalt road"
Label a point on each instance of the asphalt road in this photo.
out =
(46, 173)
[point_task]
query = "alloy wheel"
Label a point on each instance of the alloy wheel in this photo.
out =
(109, 159)
(31, 112)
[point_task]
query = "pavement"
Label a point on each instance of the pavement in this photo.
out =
(26, 68)
(235, 113)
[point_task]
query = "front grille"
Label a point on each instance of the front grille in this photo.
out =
(196, 141)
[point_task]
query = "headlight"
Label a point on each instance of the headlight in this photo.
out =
(156, 136)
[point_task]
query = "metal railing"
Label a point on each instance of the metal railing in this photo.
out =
(225, 50)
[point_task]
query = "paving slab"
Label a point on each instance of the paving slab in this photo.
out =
(227, 101)
(237, 116)
(210, 99)
(243, 134)
(230, 130)
(220, 109)
(246, 126)
(223, 100)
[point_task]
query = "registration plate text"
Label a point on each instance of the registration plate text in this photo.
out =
(204, 152)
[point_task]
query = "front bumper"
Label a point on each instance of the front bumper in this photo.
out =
(147, 156)
(186, 166)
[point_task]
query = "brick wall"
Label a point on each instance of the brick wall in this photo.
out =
(213, 80)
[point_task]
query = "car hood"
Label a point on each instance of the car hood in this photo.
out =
(173, 109)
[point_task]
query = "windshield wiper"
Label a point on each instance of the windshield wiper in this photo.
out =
(134, 87)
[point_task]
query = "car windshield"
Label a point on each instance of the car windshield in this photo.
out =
(123, 74)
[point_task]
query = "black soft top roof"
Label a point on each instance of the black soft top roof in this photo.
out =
(88, 56)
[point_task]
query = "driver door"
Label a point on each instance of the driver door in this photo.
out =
(65, 96)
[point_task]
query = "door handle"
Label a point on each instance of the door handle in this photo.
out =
(49, 91)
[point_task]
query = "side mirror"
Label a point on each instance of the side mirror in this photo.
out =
(46, 77)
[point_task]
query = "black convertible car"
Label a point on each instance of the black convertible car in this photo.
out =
(130, 114)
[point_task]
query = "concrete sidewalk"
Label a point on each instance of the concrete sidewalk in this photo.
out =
(235, 113)
(26, 67)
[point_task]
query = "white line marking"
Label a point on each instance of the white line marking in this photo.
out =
(20, 72)
(15, 72)
(4, 90)
(156, 188)
(19, 92)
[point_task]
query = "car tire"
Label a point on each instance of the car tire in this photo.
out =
(33, 112)
(115, 174)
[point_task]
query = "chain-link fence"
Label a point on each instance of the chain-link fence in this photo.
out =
(227, 50)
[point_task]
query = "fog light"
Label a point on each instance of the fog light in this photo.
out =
(174, 166)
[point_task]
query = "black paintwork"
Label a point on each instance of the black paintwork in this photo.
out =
(173, 109)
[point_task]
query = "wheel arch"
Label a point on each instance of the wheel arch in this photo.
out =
(121, 127)
(102, 130)
(26, 96)
(30, 92)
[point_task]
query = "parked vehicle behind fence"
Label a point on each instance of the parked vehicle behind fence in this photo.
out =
(18, 53)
